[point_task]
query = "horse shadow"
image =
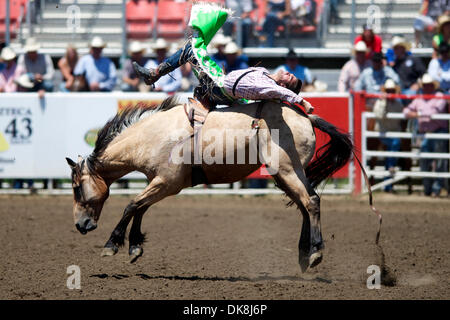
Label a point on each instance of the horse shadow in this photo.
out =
(144, 276)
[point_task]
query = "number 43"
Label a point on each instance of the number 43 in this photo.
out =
(24, 132)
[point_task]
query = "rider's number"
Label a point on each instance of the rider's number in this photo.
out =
(19, 128)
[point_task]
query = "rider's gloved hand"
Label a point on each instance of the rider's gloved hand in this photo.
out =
(308, 107)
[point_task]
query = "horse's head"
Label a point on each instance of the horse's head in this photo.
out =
(90, 192)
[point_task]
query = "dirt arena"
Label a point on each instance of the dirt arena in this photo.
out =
(226, 247)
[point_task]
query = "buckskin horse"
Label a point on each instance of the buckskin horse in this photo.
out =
(139, 139)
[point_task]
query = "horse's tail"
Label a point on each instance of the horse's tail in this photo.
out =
(330, 157)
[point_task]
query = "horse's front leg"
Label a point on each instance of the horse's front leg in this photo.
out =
(117, 238)
(136, 238)
(158, 189)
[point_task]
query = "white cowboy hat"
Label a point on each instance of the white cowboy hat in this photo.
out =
(360, 46)
(160, 44)
(400, 41)
(31, 45)
(7, 54)
(24, 81)
(136, 46)
(220, 40)
(427, 79)
(231, 48)
(390, 85)
(97, 42)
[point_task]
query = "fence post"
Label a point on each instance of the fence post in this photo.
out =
(359, 105)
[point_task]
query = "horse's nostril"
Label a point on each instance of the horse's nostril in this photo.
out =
(80, 228)
(86, 223)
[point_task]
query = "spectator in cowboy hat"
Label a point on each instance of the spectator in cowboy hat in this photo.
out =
(352, 69)
(428, 15)
(382, 124)
(219, 42)
(439, 68)
(408, 67)
(99, 71)
(373, 78)
(130, 81)
(234, 60)
(39, 67)
(170, 82)
(11, 73)
(423, 109)
(443, 33)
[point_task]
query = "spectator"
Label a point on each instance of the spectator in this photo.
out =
(10, 74)
(39, 67)
(67, 66)
(99, 71)
(372, 78)
(234, 60)
(439, 69)
(2, 64)
(373, 42)
(428, 15)
(390, 55)
(277, 11)
(443, 34)
(243, 8)
(408, 67)
(334, 13)
(381, 108)
(304, 12)
(170, 82)
(219, 42)
(292, 66)
(130, 81)
(353, 68)
(422, 110)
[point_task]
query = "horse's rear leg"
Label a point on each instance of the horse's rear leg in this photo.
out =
(297, 187)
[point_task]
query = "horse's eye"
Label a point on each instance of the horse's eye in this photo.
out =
(77, 192)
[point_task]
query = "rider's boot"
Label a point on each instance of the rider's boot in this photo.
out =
(150, 76)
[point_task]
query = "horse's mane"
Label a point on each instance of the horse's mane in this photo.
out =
(123, 120)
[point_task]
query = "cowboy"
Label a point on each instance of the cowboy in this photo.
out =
(38, 66)
(130, 80)
(11, 73)
(423, 109)
(353, 68)
(408, 67)
(216, 87)
(99, 71)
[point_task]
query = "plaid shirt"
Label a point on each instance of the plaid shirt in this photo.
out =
(257, 85)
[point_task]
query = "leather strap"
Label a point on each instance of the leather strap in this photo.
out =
(239, 79)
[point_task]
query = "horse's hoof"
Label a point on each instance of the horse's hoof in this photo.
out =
(315, 259)
(106, 252)
(135, 253)
(303, 261)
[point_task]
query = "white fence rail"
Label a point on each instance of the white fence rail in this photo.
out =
(414, 154)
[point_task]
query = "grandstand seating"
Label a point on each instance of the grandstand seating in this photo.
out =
(15, 16)
(172, 18)
(140, 19)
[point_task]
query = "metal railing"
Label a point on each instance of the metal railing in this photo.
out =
(414, 154)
